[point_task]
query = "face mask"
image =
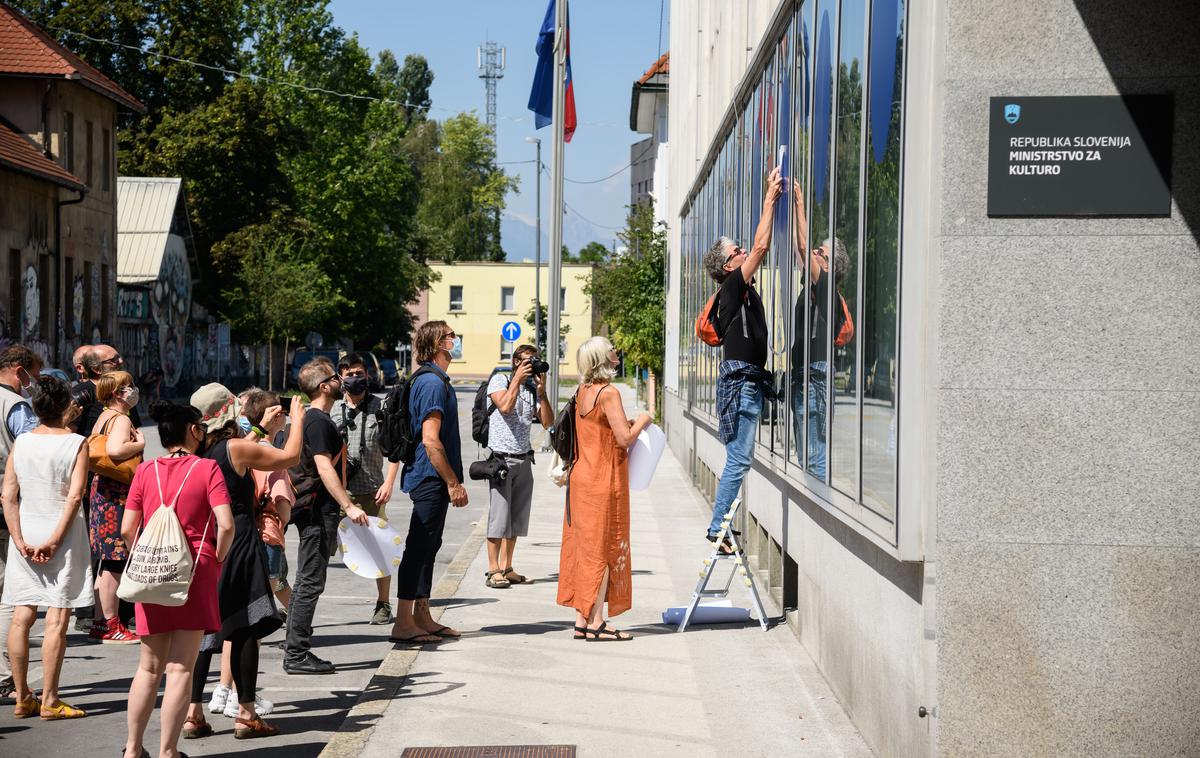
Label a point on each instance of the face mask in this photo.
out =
(132, 396)
(244, 425)
(355, 385)
(26, 384)
(456, 349)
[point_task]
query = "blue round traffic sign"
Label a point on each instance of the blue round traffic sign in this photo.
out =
(511, 331)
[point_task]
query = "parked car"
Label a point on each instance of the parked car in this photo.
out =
(304, 356)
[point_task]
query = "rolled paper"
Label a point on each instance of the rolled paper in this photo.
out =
(722, 612)
(644, 457)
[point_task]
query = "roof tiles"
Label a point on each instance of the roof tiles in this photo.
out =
(26, 50)
(18, 153)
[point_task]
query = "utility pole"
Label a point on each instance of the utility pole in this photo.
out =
(556, 197)
(490, 60)
(537, 246)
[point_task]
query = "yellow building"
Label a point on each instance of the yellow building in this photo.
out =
(478, 298)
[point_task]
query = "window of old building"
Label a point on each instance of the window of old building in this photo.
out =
(67, 149)
(89, 152)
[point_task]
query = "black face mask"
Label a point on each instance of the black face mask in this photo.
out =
(354, 385)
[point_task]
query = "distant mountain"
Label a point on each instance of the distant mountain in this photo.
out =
(517, 235)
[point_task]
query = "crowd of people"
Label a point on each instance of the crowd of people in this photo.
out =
(241, 471)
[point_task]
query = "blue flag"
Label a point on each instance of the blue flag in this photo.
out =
(541, 97)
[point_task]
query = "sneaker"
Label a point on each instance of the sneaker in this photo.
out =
(309, 664)
(119, 634)
(261, 707)
(383, 613)
(83, 624)
(220, 699)
(97, 630)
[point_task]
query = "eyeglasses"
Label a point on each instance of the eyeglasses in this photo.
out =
(116, 360)
(735, 253)
(330, 378)
(449, 336)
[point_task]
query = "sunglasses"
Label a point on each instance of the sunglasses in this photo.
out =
(450, 336)
(736, 252)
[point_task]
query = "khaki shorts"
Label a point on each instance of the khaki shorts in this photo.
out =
(367, 503)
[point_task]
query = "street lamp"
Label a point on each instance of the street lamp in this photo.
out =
(537, 266)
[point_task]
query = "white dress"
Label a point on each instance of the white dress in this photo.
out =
(43, 464)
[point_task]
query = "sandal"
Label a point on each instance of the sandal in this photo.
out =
(416, 639)
(441, 632)
(580, 633)
(613, 635)
(513, 577)
(245, 729)
(497, 584)
(146, 754)
(724, 548)
(27, 707)
(61, 711)
(200, 728)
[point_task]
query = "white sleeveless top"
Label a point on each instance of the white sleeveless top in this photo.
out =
(43, 464)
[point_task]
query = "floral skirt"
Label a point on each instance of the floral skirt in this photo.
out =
(106, 508)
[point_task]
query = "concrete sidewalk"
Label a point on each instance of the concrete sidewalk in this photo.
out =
(518, 678)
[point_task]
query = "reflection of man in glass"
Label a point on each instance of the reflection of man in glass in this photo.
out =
(742, 324)
(814, 298)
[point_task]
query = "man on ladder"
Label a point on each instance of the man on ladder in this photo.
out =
(743, 382)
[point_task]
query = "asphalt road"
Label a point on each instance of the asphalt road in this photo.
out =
(308, 708)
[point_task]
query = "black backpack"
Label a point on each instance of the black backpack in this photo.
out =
(397, 440)
(481, 413)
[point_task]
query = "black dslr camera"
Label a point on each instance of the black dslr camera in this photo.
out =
(537, 365)
(492, 468)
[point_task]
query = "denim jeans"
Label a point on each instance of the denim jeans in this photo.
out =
(739, 452)
(817, 419)
(317, 533)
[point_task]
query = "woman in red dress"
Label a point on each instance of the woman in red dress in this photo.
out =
(170, 636)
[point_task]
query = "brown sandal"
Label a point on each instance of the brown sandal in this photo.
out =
(245, 729)
(496, 580)
(513, 577)
(200, 728)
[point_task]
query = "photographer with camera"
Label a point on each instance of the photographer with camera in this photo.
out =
(518, 401)
(357, 418)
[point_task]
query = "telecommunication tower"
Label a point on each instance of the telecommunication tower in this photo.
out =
(490, 60)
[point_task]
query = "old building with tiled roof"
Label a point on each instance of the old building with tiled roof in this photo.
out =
(58, 192)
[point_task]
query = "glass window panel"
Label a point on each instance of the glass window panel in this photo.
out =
(816, 293)
(802, 151)
(844, 411)
(881, 253)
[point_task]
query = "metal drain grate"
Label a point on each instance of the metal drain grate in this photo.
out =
(492, 751)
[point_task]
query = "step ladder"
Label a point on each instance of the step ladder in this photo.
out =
(741, 566)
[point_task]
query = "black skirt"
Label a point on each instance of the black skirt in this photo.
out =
(244, 594)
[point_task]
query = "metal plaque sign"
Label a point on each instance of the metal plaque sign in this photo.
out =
(1080, 156)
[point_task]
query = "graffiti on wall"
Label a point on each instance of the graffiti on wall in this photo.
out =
(170, 304)
(77, 305)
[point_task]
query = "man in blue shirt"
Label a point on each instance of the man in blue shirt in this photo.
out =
(18, 367)
(433, 480)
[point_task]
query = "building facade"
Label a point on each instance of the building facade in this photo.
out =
(58, 194)
(648, 115)
(477, 299)
(977, 510)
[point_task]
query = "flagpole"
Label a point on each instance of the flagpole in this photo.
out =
(556, 199)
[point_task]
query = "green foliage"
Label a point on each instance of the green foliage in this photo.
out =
(462, 193)
(592, 252)
(279, 292)
(361, 192)
(544, 331)
(629, 290)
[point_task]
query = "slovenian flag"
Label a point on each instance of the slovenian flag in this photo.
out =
(541, 98)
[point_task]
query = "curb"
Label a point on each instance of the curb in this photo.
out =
(357, 728)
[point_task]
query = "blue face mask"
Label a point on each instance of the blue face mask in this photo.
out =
(243, 425)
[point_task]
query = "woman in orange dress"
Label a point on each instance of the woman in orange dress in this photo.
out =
(593, 567)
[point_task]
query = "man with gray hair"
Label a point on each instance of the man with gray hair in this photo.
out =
(743, 381)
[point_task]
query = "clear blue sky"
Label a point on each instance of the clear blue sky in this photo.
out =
(613, 42)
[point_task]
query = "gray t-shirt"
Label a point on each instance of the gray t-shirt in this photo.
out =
(353, 423)
(509, 433)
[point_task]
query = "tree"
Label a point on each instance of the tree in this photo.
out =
(543, 337)
(629, 290)
(592, 252)
(462, 191)
(278, 293)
